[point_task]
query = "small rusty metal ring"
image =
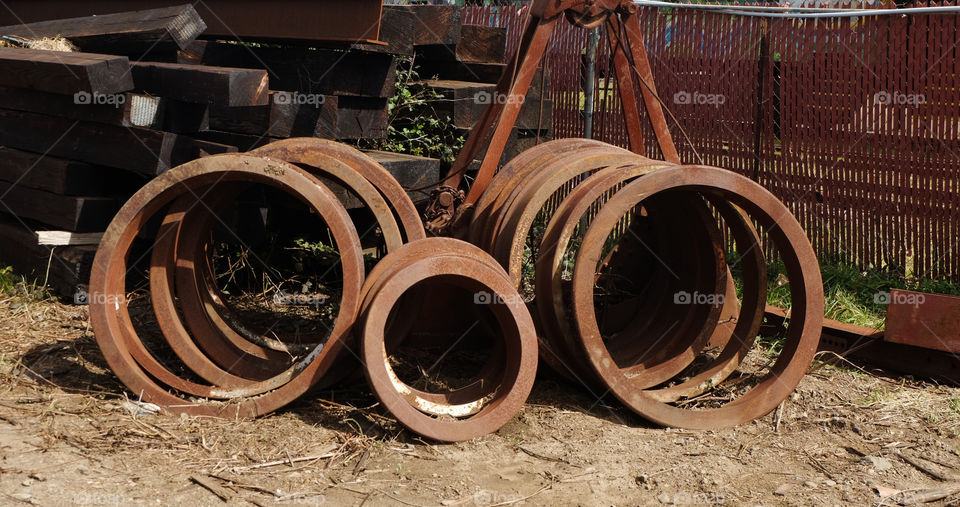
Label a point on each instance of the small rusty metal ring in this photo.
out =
(396, 331)
(805, 284)
(518, 338)
(241, 372)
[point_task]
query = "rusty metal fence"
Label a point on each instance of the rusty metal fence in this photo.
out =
(853, 122)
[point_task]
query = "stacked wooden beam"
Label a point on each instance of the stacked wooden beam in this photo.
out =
(81, 131)
(462, 63)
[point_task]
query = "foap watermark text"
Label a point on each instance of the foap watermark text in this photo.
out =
(498, 98)
(899, 99)
(899, 298)
(99, 99)
(696, 298)
(684, 98)
(84, 297)
(299, 99)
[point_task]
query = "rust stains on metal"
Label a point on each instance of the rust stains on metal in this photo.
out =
(930, 321)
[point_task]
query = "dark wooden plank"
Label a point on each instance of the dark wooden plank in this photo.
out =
(397, 30)
(525, 140)
(290, 114)
(473, 72)
(303, 69)
(64, 73)
(206, 148)
(478, 44)
(65, 269)
(70, 213)
(437, 24)
(362, 118)
(122, 109)
(397, 26)
(185, 118)
(142, 151)
(464, 102)
(202, 84)
(418, 175)
(243, 142)
(316, 20)
(128, 33)
(51, 174)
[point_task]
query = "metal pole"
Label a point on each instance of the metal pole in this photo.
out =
(589, 88)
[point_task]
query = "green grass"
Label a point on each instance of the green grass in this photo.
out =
(19, 287)
(851, 294)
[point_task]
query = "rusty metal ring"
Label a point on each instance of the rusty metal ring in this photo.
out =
(244, 350)
(562, 340)
(511, 183)
(519, 341)
(705, 272)
(713, 334)
(111, 320)
(524, 162)
(394, 334)
(206, 363)
(735, 342)
(343, 164)
(805, 283)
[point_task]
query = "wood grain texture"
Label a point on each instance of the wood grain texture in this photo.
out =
(202, 84)
(127, 33)
(64, 73)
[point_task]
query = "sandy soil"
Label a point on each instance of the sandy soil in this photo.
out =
(67, 438)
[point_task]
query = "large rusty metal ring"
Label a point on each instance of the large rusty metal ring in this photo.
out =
(736, 333)
(500, 186)
(215, 361)
(562, 341)
(805, 283)
(124, 351)
(468, 267)
(243, 351)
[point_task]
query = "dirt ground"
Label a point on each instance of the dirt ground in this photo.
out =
(67, 438)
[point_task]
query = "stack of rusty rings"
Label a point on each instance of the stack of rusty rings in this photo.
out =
(668, 243)
(608, 212)
(245, 374)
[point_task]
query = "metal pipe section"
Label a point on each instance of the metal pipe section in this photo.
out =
(589, 86)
